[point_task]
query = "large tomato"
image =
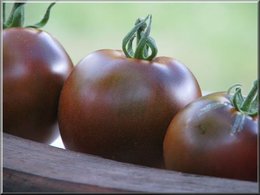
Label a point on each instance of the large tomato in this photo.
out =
(215, 135)
(119, 107)
(35, 66)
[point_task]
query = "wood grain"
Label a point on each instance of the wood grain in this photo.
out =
(29, 166)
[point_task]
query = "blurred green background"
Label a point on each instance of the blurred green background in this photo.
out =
(216, 41)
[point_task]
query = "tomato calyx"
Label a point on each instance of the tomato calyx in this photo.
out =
(246, 105)
(16, 17)
(145, 45)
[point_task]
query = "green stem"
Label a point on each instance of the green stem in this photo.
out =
(128, 39)
(16, 17)
(250, 98)
(246, 105)
(13, 18)
(139, 30)
(45, 18)
(3, 13)
(144, 32)
(144, 42)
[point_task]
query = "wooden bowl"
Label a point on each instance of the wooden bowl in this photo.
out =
(30, 166)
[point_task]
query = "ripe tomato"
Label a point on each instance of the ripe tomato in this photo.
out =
(35, 66)
(119, 107)
(215, 135)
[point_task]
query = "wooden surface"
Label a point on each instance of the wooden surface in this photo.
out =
(34, 167)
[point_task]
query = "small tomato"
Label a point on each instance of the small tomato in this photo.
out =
(35, 66)
(118, 105)
(215, 135)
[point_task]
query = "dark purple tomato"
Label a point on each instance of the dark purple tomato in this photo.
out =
(35, 66)
(212, 137)
(119, 107)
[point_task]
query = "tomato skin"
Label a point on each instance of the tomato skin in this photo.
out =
(204, 142)
(35, 66)
(119, 108)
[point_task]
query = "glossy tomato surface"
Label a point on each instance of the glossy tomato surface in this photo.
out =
(35, 66)
(119, 108)
(210, 137)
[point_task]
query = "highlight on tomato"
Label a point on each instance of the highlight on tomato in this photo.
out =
(118, 104)
(35, 66)
(216, 135)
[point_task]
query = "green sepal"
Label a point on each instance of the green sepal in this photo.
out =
(247, 105)
(44, 20)
(254, 107)
(128, 39)
(237, 99)
(16, 17)
(144, 42)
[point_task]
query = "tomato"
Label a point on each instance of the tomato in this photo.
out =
(35, 66)
(119, 107)
(215, 135)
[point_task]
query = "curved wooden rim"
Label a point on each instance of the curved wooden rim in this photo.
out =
(35, 167)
